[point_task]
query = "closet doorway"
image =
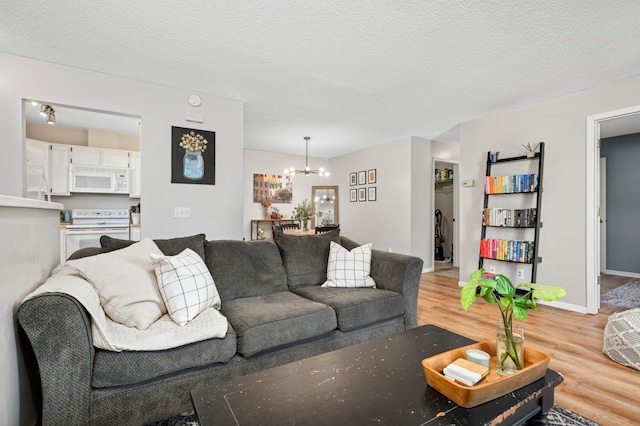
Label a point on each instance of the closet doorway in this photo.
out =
(445, 211)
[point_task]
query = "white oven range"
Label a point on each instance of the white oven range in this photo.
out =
(88, 225)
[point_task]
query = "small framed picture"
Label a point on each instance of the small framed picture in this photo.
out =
(371, 176)
(362, 178)
(372, 194)
(353, 195)
(362, 194)
(353, 179)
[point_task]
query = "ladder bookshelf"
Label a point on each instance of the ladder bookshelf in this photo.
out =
(522, 251)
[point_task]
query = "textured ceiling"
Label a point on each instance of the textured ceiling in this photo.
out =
(348, 74)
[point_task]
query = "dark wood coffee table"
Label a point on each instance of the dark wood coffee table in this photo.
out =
(378, 382)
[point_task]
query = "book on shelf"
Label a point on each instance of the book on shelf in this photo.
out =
(507, 250)
(511, 184)
(516, 218)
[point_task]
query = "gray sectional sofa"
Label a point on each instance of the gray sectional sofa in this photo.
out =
(277, 313)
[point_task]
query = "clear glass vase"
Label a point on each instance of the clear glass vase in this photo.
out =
(509, 348)
(193, 165)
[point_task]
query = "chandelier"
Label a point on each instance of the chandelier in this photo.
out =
(307, 170)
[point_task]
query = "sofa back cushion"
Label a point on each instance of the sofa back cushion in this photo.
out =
(170, 247)
(245, 268)
(305, 257)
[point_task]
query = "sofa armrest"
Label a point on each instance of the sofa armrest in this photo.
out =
(399, 273)
(396, 272)
(59, 330)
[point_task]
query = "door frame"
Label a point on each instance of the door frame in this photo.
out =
(592, 178)
(456, 208)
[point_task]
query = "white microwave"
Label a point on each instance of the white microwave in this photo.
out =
(103, 180)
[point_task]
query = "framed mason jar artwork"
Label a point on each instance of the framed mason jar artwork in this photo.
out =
(193, 158)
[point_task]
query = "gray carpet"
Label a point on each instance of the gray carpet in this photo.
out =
(627, 295)
(558, 416)
(452, 272)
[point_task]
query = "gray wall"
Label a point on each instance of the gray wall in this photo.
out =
(623, 202)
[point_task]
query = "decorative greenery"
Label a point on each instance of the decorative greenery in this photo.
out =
(325, 221)
(193, 141)
(303, 211)
(266, 202)
(502, 292)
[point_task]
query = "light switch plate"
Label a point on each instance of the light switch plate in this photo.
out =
(181, 212)
(467, 183)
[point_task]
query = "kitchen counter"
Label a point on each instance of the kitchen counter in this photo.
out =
(9, 201)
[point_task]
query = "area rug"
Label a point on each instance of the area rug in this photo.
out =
(558, 416)
(627, 295)
(453, 272)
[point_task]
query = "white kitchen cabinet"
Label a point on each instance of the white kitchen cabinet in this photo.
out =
(37, 169)
(134, 176)
(60, 156)
(114, 158)
(86, 156)
(47, 168)
(134, 233)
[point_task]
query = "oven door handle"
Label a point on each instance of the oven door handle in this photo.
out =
(97, 231)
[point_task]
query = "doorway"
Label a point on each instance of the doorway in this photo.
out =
(609, 124)
(445, 211)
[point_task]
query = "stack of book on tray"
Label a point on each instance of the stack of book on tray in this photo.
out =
(465, 372)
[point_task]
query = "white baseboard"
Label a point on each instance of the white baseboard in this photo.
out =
(556, 304)
(622, 273)
(425, 270)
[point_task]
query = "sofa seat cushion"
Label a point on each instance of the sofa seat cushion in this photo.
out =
(131, 367)
(357, 307)
(245, 268)
(272, 320)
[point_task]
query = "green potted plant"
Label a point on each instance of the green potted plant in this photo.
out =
(500, 290)
(303, 212)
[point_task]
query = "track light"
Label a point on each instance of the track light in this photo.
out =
(48, 113)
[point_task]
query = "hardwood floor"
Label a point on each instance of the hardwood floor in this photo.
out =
(594, 386)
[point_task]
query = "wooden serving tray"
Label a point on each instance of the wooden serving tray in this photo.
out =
(492, 386)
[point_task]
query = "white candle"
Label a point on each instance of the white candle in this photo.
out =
(479, 357)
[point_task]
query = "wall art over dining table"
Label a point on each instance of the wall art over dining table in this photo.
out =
(193, 156)
(277, 188)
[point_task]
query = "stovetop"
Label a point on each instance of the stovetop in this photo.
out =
(99, 218)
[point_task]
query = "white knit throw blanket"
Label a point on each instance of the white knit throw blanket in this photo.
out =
(109, 335)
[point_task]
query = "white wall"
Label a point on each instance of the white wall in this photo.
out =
(262, 162)
(561, 123)
(29, 251)
(421, 232)
(215, 209)
(386, 222)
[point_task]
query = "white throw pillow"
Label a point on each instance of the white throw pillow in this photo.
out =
(349, 268)
(186, 285)
(126, 283)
